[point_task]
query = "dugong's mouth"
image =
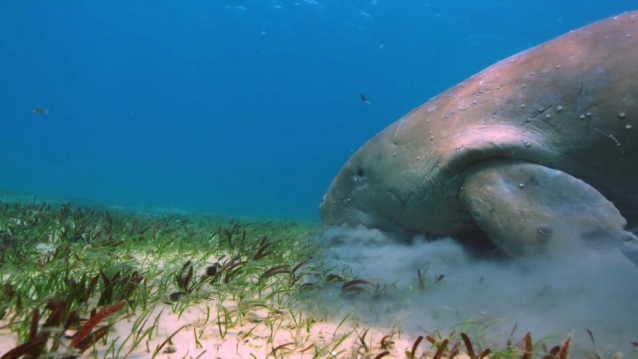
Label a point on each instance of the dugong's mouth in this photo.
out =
(339, 210)
(336, 209)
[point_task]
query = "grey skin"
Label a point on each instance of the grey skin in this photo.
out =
(539, 152)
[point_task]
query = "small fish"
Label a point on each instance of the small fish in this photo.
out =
(40, 111)
(364, 98)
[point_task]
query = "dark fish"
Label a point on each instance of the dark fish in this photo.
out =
(364, 99)
(40, 111)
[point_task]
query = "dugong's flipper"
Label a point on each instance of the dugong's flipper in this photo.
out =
(526, 208)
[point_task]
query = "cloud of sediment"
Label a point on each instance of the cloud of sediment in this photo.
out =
(595, 290)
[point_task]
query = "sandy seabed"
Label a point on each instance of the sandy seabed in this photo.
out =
(393, 294)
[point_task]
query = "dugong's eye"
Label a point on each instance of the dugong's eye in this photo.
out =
(358, 176)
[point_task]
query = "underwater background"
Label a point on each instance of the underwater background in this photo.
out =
(234, 107)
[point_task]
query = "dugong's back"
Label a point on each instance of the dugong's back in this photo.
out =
(569, 104)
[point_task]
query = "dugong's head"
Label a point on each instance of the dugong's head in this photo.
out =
(352, 195)
(364, 192)
(390, 184)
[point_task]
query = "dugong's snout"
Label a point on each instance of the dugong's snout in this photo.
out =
(338, 205)
(344, 207)
(352, 198)
(332, 207)
(323, 210)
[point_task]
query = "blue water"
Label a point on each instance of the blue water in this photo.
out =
(234, 107)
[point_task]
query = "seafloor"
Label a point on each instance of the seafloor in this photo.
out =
(101, 281)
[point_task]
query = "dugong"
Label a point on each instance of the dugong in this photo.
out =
(538, 153)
